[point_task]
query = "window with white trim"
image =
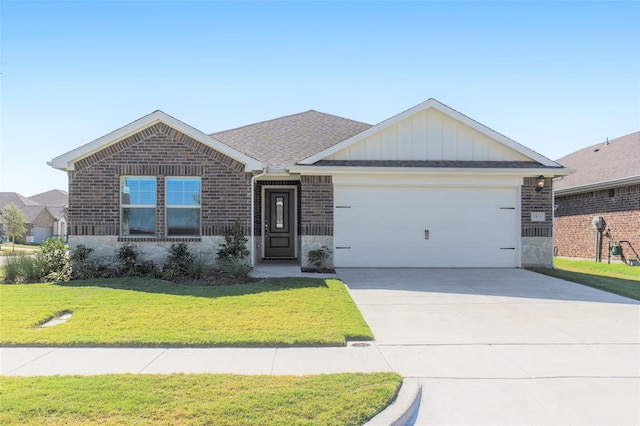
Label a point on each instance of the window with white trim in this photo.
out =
(182, 206)
(137, 206)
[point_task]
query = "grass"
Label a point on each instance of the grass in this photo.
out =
(7, 248)
(147, 312)
(615, 278)
(338, 399)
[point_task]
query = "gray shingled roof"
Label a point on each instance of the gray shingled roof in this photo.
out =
(31, 208)
(15, 198)
(602, 163)
(288, 140)
(55, 197)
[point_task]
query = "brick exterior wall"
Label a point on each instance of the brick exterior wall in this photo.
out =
(533, 201)
(94, 185)
(574, 233)
(316, 193)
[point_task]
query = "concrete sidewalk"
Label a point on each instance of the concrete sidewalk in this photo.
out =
(362, 357)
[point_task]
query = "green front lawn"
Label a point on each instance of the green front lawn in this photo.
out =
(148, 312)
(615, 278)
(338, 399)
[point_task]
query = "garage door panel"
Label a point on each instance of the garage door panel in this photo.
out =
(386, 227)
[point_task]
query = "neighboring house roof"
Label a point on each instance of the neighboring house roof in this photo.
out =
(58, 212)
(67, 161)
(31, 208)
(601, 166)
(32, 212)
(288, 140)
(15, 198)
(55, 197)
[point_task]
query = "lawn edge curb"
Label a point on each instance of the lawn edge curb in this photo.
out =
(402, 409)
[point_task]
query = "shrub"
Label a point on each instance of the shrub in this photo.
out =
(319, 256)
(23, 269)
(80, 255)
(54, 260)
(127, 255)
(236, 268)
(179, 260)
(132, 264)
(198, 268)
(235, 244)
(83, 266)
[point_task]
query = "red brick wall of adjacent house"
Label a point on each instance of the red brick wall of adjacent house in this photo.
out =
(94, 184)
(316, 193)
(533, 201)
(575, 236)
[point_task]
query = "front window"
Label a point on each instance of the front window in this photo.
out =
(138, 206)
(183, 206)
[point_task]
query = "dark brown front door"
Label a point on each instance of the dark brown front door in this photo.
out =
(279, 230)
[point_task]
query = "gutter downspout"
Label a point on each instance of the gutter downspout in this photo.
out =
(253, 215)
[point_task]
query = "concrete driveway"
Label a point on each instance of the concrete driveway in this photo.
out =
(505, 346)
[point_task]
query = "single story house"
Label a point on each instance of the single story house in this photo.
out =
(46, 214)
(606, 184)
(428, 187)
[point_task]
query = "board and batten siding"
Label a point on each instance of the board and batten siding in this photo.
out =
(429, 135)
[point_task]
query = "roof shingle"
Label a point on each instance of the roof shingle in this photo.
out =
(601, 163)
(288, 140)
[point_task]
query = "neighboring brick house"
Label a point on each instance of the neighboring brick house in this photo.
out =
(46, 214)
(606, 184)
(427, 187)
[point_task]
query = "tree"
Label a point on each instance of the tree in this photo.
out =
(15, 221)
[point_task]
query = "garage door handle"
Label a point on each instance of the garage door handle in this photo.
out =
(426, 234)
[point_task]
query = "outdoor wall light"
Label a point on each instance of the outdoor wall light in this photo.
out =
(540, 183)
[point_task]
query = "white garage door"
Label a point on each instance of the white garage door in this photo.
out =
(426, 227)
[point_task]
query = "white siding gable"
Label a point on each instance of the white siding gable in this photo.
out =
(429, 135)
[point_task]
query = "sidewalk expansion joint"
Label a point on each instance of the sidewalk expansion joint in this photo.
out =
(153, 360)
(30, 361)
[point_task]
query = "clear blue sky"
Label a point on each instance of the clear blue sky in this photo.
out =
(554, 76)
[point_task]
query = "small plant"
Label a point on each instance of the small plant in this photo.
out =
(132, 264)
(198, 268)
(317, 257)
(127, 255)
(236, 268)
(80, 254)
(235, 244)
(179, 259)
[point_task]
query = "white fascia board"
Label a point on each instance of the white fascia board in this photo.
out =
(66, 161)
(507, 171)
(631, 180)
(432, 103)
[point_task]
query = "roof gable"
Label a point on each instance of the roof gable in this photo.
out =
(67, 161)
(287, 140)
(607, 164)
(429, 131)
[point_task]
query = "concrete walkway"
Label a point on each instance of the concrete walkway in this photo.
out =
(497, 346)
(356, 357)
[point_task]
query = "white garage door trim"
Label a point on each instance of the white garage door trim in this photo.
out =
(426, 226)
